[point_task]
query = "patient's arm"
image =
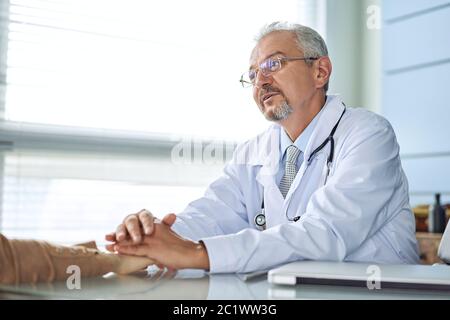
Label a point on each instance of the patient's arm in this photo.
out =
(31, 261)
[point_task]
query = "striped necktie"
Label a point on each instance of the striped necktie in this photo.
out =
(290, 169)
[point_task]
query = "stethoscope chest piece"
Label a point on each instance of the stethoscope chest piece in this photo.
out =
(260, 220)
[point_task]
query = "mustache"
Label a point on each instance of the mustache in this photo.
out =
(266, 90)
(269, 89)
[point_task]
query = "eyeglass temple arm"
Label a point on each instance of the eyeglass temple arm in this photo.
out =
(300, 58)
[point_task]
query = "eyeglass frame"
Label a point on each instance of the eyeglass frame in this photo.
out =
(246, 84)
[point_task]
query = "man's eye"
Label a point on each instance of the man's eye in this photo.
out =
(273, 65)
(252, 75)
(270, 65)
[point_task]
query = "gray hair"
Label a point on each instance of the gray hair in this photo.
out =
(308, 40)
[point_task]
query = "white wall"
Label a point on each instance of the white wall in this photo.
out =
(355, 52)
(416, 68)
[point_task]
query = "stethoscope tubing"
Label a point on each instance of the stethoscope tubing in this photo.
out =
(260, 219)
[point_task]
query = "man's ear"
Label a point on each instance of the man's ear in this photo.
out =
(323, 71)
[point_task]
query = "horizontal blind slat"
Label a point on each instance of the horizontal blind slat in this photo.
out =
(122, 66)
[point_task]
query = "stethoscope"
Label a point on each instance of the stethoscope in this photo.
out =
(260, 218)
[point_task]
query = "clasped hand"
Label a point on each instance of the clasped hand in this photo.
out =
(141, 234)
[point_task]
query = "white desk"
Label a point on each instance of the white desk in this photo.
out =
(202, 286)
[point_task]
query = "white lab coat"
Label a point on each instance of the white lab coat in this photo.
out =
(362, 213)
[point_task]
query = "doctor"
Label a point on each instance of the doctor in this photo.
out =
(323, 182)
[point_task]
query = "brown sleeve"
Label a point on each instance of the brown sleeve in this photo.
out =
(31, 261)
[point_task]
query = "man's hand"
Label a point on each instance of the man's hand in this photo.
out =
(128, 264)
(135, 226)
(167, 248)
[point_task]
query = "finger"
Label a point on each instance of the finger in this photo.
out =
(169, 219)
(110, 247)
(126, 242)
(146, 219)
(121, 232)
(135, 250)
(133, 228)
(110, 237)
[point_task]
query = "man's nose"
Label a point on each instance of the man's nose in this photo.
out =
(262, 80)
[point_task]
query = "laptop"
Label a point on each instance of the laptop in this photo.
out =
(435, 277)
(369, 275)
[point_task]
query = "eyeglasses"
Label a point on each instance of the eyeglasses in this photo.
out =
(267, 68)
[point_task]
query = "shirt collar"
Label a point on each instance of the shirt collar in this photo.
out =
(302, 140)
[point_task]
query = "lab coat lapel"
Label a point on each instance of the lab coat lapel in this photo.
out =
(267, 154)
(273, 199)
(328, 118)
(332, 111)
(268, 157)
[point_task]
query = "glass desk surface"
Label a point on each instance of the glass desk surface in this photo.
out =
(198, 285)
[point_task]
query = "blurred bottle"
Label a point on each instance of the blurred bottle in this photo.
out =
(436, 216)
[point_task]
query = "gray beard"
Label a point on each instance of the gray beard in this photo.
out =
(281, 112)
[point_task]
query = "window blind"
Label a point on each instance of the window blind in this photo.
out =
(95, 93)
